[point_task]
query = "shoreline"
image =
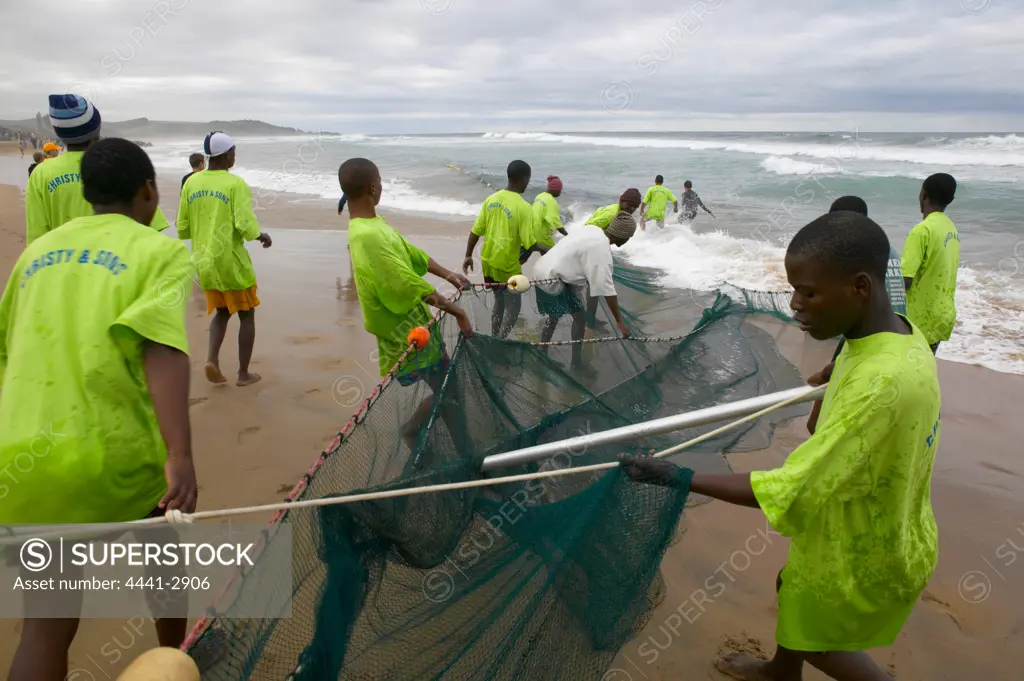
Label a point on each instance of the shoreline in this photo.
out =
(282, 210)
(310, 337)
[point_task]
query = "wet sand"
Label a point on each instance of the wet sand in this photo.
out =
(252, 444)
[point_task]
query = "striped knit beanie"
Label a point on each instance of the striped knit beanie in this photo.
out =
(623, 226)
(75, 120)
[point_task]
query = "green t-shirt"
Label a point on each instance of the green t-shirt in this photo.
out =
(388, 271)
(506, 224)
(54, 196)
(656, 198)
(216, 214)
(931, 257)
(546, 220)
(603, 217)
(855, 499)
(79, 439)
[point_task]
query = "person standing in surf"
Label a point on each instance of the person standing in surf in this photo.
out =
(54, 195)
(855, 497)
(197, 162)
(931, 258)
(691, 201)
(506, 223)
(37, 158)
(628, 203)
(216, 214)
(655, 201)
(546, 220)
(582, 265)
(893, 286)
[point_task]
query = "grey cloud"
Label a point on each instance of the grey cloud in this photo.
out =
(434, 65)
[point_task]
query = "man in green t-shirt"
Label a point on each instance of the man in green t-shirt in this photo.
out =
(655, 200)
(53, 195)
(216, 214)
(546, 220)
(94, 376)
(931, 258)
(388, 273)
(628, 203)
(505, 222)
(855, 497)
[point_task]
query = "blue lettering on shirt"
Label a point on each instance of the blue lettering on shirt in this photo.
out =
(950, 236)
(106, 259)
(505, 210)
(66, 178)
(206, 193)
(935, 430)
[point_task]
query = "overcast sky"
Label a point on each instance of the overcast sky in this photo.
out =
(409, 66)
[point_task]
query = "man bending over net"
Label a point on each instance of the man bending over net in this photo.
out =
(855, 497)
(584, 258)
(628, 203)
(388, 273)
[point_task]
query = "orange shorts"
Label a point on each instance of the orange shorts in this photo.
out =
(234, 301)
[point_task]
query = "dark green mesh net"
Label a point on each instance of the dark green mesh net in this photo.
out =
(543, 579)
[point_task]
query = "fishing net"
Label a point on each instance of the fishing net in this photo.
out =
(543, 579)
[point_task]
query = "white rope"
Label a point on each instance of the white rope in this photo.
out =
(176, 517)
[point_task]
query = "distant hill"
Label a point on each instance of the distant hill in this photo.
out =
(145, 129)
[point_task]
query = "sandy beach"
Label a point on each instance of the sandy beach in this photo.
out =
(251, 445)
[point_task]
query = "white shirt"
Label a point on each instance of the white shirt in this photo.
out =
(582, 257)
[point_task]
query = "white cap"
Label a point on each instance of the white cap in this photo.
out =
(217, 143)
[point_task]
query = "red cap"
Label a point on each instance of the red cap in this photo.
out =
(554, 184)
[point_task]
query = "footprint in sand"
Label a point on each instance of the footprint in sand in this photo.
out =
(304, 340)
(251, 430)
(747, 645)
(929, 597)
(942, 606)
(283, 489)
(996, 468)
(192, 401)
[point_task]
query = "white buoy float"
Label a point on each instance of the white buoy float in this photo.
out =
(161, 664)
(519, 283)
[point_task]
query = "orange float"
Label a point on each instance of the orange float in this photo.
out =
(419, 337)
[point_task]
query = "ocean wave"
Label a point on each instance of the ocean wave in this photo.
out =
(960, 153)
(988, 142)
(780, 165)
(516, 135)
(397, 194)
(990, 303)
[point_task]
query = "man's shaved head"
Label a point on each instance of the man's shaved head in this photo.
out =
(358, 176)
(854, 204)
(846, 241)
(836, 266)
(518, 176)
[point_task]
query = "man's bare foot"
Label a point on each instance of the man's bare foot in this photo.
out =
(247, 379)
(747, 668)
(213, 374)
